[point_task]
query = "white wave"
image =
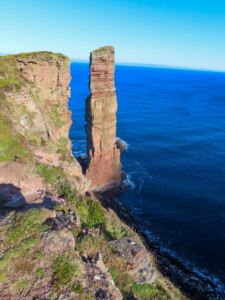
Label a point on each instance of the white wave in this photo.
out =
(187, 263)
(129, 181)
(126, 144)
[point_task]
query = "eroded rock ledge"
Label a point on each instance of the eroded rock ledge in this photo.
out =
(104, 169)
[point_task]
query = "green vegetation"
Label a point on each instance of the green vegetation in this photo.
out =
(10, 72)
(40, 272)
(95, 214)
(29, 223)
(90, 244)
(62, 149)
(90, 212)
(20, 240)
(114, 229)
(119, 271)
(23, 255)
(148, 291)
(82, 210)
(65, 156)
(45, 55)
(11, 144)
(21, 284)
(67, 191)
(51, 174)
(66, 269)
(56, 115)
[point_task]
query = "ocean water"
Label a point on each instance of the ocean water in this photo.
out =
(174, 124)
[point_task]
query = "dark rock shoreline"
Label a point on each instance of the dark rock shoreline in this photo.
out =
(189, 282)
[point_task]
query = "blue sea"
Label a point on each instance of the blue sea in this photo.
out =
(174, 124)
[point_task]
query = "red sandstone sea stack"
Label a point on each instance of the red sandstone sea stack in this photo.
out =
(104, 169)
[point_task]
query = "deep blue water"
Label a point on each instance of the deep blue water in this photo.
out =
(174, 123)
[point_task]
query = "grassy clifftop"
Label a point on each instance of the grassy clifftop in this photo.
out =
(52, 253)
(10, 76)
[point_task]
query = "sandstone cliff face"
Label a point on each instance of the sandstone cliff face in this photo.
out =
(34, 115)
(49, 85)
(104, 168)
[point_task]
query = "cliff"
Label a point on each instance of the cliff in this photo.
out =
(60, 242)
(35, 119)
(104, 169)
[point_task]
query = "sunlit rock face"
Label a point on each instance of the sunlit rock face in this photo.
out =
(49, 78)
(35, 89)
(104, 169)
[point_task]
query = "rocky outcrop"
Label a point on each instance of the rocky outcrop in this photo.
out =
(57, 241)
(49, 76)
(104, 167)
(137, 258)
(100, 281)
(34, 98)
(18, 187)
(121, 145)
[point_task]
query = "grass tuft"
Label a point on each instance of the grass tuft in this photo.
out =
(11, 144)
(65, 270)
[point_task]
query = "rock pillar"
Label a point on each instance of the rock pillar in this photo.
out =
(104, 167)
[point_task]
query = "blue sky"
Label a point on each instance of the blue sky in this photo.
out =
(168, 32)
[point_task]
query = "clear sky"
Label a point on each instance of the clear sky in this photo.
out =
(185, 33)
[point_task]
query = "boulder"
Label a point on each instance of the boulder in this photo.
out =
(137, 258)
(99, 281)
(57, 241)
(61, 221)
(121, 145)
(18, 187)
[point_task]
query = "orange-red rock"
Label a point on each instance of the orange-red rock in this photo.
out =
(104, 168)
(49, 78)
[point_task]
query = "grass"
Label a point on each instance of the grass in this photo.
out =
(119, 271)
(51, 174)
(114, 229)
(90, 212)
(89, 245)
(66, 268)
(45, 55)
(40, 272)
(21, 284)
(65, 156)
(148, 291)
(22, 255)
(56, 116)
(26, 224)
(82, 210)
(20, 240)
(11, 144)
(67, 191)
(95, 214)
(10, 70)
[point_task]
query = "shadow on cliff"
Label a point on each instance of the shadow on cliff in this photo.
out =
(11, 198)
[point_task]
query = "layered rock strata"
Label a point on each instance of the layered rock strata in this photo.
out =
(104, 168)
(34, 113)
(48, 76)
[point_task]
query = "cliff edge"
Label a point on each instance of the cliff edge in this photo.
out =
(35, 119)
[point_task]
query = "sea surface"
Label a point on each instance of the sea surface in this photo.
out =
(174, 124)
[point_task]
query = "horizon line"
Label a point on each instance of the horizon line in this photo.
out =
(145, 65)
(159, 66)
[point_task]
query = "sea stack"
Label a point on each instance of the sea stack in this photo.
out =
(104, 167)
